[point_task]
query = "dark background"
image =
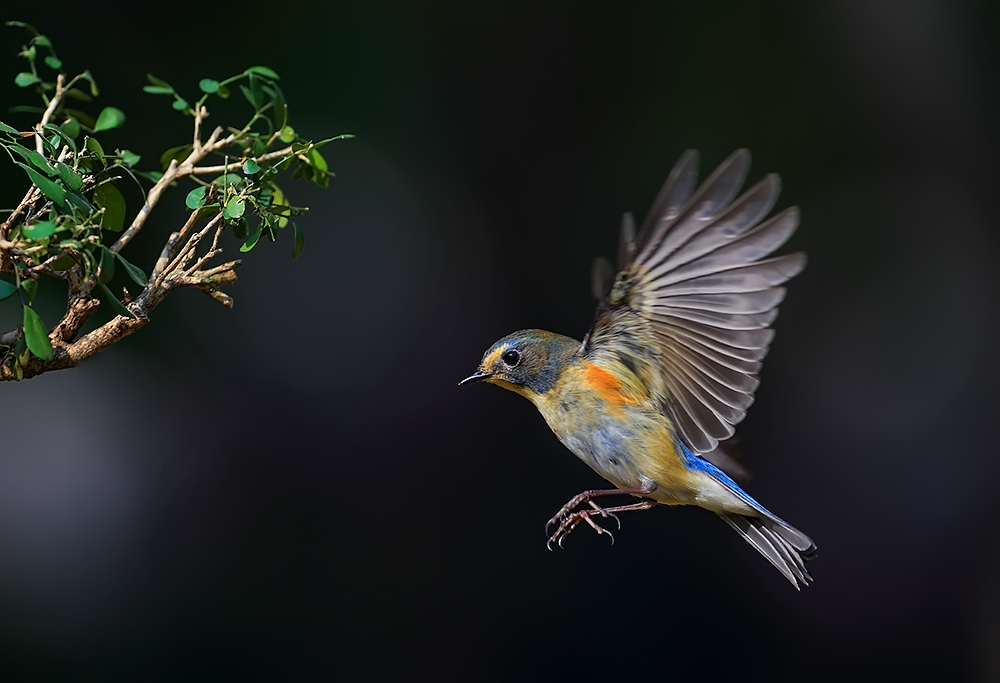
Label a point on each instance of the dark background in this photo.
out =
(297, 489)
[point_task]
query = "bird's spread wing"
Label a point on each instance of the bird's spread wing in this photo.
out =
(689, 313)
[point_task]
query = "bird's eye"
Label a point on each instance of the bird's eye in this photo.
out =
(511, 358)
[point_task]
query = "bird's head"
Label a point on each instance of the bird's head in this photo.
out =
(529, 362)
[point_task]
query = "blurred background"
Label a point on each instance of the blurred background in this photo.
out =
(297, 489)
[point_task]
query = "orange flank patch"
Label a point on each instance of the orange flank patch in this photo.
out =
(606, 385)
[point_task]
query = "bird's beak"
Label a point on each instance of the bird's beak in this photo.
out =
(475, 378)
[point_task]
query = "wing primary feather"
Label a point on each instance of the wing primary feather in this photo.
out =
(735, 302)
(664, 235)
(748, 367)
(739, 217)
(676, 191)
(700, 342)
(741, 278)
(744, 249)
(729, 321)
(741, 339)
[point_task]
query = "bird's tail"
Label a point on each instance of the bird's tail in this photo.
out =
(784, 546)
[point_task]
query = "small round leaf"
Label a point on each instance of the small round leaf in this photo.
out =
(39, 230)
(196, 198)
(109, 118)
(26, 78)
(263, 71)
(234, 208)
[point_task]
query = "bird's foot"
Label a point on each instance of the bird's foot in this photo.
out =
(567, 520)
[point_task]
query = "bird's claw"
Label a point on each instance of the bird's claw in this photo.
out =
(568, 522)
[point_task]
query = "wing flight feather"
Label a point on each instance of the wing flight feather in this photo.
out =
(697, 290)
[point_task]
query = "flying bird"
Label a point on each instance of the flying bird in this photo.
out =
(671, 362)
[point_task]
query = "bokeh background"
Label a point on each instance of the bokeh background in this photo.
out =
(298, 490)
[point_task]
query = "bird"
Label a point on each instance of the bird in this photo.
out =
(670, 364)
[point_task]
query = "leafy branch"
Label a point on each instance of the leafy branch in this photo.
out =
(72, 223)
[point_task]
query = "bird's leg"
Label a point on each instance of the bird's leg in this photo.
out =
(568, 520)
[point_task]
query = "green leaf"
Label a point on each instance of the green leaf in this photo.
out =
(252, 240)
(134, 272)
(250, 95)
(72, 179)
(251, 167)
(8, 129)
(180, 104)
(208, 85)
(240, 229)
(51, 143)
(316, 160)
(54, 62)
(52, 190)
(109, 118)
(116, 305)
(287, 134)
(344, 136)
(23, 152)
(43, 41)
(30, 286)
(78, 201)
(179, 153)
(263, 71)
(158, 90)
(234, 208)
(64, 262)
(279, 206)
(223, 91)
(71, 127)
(26, 78)
(63, 136)
(280, 109)
(41, 163)
(300, 240)
(156, 81)
(78, 95)
(228, 179)
(6, 289)
(196, 198)
(94, 90)
(109, 198)
(39, 230)
(129, 158)
(94, 146)
(35, 335)
(81, 116)
(106, 266)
